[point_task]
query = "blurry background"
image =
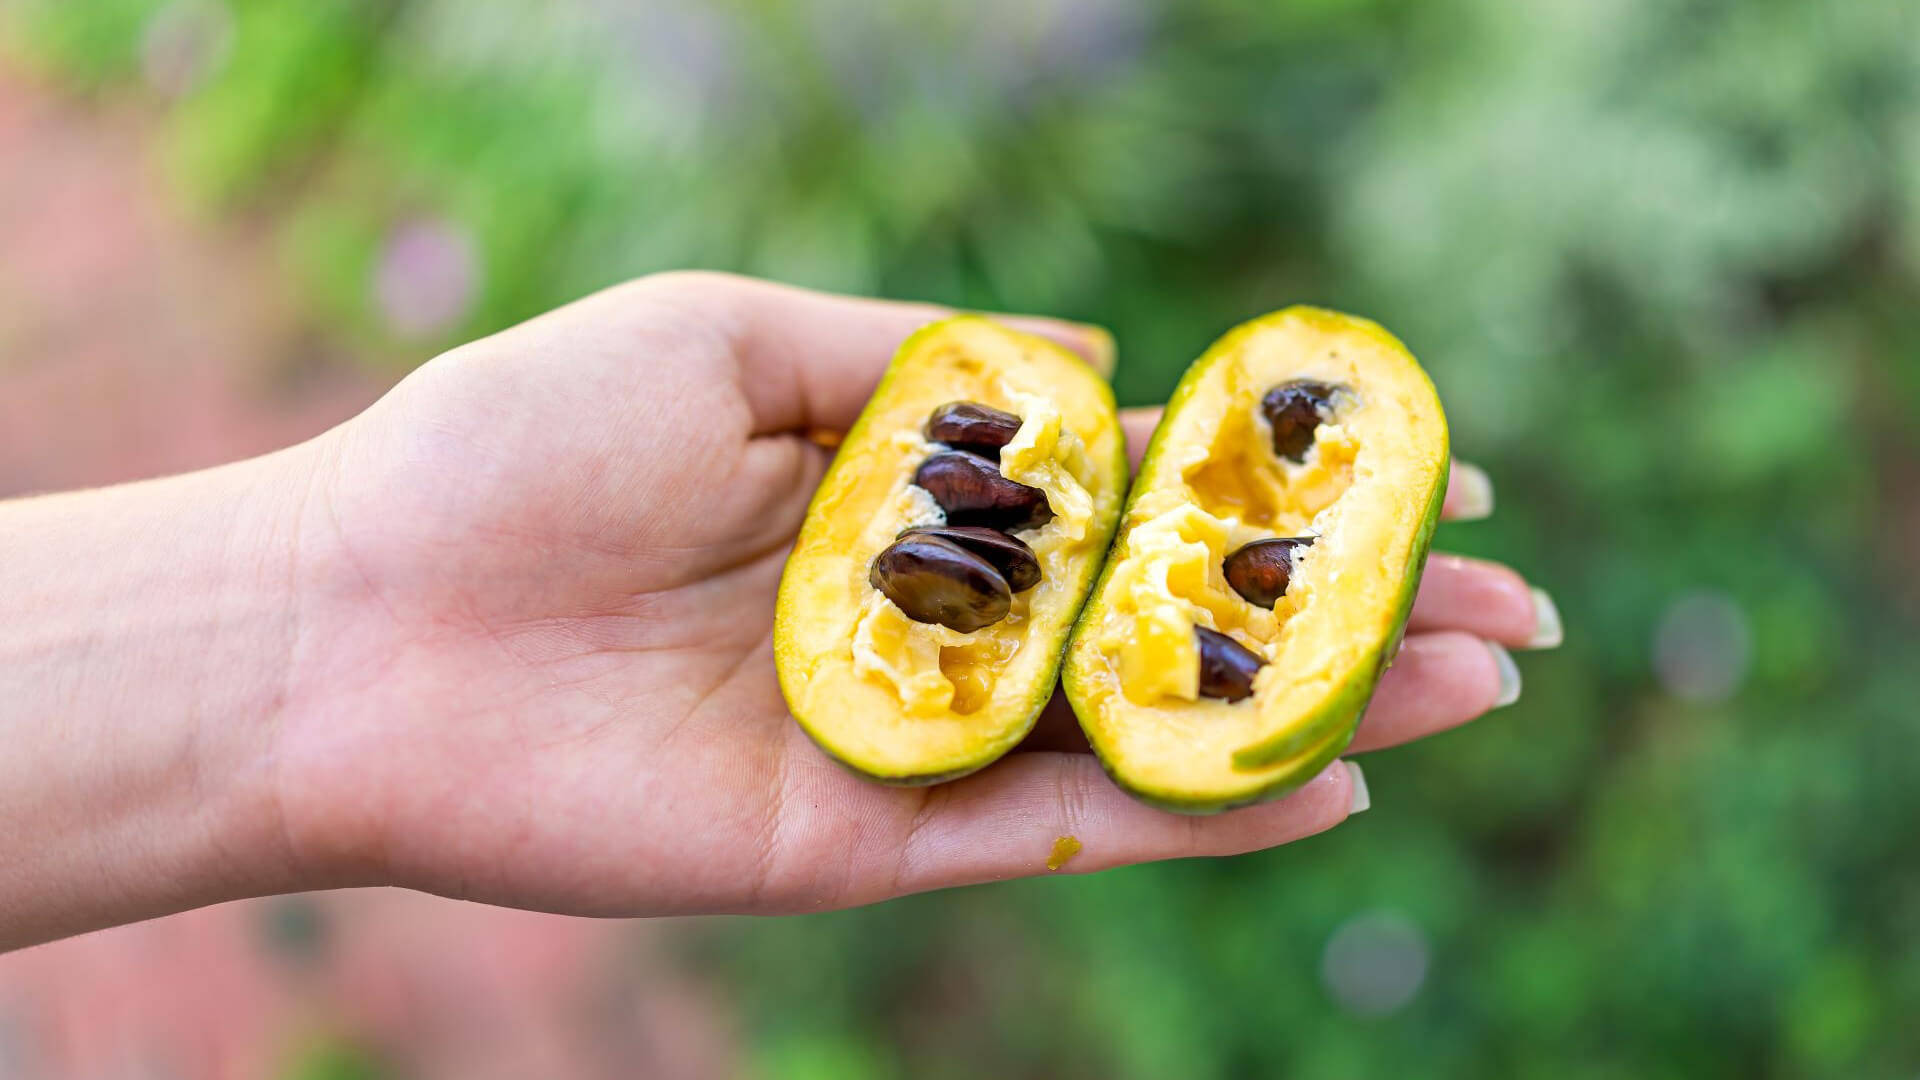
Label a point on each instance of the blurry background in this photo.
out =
(1663, 259)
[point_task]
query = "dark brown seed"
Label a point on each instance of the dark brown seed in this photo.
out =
(936, 581)
(1261, 571)
(1296, 409)
(1009, 554)
(1226, 666)
(972, 492)
(966, 425)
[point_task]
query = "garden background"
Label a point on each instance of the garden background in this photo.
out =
(1662, 259)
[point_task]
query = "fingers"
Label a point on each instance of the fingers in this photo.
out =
(1096, 344)
(1057, 730)
(1438, 681)
(1487, 599)
(811, 359)
(1138, 425)
(1004, 822)
(1469, 493)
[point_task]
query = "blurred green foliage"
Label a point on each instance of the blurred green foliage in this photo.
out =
(1663, 259)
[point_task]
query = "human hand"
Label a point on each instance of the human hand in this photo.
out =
(548, 677)
(508, 639)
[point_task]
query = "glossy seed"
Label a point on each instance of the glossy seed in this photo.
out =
(1008, 554)
(1261, 571)
(967, 425)
(972, 492)
(936, 581)
(1227, 667)
(1295, 409)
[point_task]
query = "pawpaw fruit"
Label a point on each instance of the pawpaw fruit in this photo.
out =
(1266, 562)
(928, 597)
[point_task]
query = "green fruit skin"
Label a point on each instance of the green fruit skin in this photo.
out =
(1346, 707)
(1319, 739)
(1308, 767)
(1113, 471)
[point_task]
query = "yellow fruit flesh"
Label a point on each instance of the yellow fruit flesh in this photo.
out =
(1211, 484)
(900, 699)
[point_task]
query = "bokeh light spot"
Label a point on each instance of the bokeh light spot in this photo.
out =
(1703, 647)
(426, 277)
(1375, 963)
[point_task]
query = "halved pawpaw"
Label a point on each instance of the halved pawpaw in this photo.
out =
(947, 551)
(1266, 563)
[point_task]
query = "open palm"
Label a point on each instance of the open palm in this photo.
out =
(534, 663)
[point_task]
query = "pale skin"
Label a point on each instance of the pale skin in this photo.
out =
(506, 636)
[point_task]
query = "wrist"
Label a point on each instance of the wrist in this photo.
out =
(143, 674)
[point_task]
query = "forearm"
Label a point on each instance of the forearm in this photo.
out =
(145, 638)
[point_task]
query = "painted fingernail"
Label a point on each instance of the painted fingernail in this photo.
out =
(1473, 492)
(1509, 676)
(1546, 622)
(1357, 784)
(1099, 346)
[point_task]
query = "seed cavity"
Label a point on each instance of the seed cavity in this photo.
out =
(972, 492)
(1261, 571)
(1227, 667)
(969, 425)
(934, 580)
(1295, 410)
(963, 574)
(1008, 554)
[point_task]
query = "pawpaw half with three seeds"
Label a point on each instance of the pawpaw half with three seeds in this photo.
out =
(1214, 667)
(1002, 452)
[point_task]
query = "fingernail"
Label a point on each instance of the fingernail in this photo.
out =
(1473, 489)
(1546, 622)
(1357, 782)
(1099, 347)
(1509, 676)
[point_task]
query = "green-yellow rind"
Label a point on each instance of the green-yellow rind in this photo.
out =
(1346, 708)
(1304, 767)
(1290, 757)
(1003, 736)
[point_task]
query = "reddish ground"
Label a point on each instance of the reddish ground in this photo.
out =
(133, 343)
